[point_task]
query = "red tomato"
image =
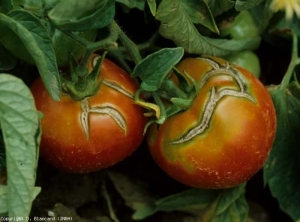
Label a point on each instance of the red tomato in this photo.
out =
(224, 138)
(96, 132)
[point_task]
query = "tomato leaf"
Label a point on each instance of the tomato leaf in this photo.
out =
(2, 154)
(7, 61)
(19, 121)
(241, 5)
(199, 13)
(135, 193)
(262, 15)
(4, 190)
(5, 6)
(230, 205)
(37, 41)
(156, 66)
(78, 15)
(152, 6)
(139, 4)
(220, 6)
(281, 172)
(177, 26)
(192, 201)
(213, 205)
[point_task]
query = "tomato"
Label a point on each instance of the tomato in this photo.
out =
(96, 132)
(242, 27)
(62, 44)
(246, 59)
(225, 136)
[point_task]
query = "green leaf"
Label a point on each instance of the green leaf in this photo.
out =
(23, 27)
(199, 13)
(29, 4)
(241, 5)
(183, 104)
(34, 7)
(156, 66)
(152, 6)
(5, 6)
(4, 198)
(192, 201)
(215, 205)
(78, 15)
(262, 15)
(7, 61)
(282, 172)
(135, 193)
(177, 26)
(231, 206)
(218, 7)
(140, 4)
(2, 154)
(19, 121)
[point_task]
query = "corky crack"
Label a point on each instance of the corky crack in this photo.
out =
(215, 97)
(86, 110)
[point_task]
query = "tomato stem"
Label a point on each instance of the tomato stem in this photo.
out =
(130, 46)
(169, 90)
(294, 62)
(105, 44)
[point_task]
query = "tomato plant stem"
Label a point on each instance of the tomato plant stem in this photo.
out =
(130, 46)
(149, 43)
(294, 62)
(106, 44)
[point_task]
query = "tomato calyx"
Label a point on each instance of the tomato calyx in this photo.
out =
(170, 90)
(82, 83)
(175, 94)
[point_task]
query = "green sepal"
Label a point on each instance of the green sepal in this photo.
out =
(169, 90)
(83, 83)
(163, 116)
(182, 104)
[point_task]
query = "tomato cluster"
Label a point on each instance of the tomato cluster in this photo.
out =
(95, 132)
(224, 138)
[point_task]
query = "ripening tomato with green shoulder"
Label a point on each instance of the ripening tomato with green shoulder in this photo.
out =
(225, 136)
(94, 132)
(243, 26)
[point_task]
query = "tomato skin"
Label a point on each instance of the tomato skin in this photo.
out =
(64, 143)
(235, 143)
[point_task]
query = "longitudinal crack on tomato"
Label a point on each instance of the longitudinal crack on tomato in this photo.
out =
(86, 110)
(215, 97)
(115, 86)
